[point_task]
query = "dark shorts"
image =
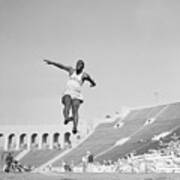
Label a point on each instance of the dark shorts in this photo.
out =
(66, 96)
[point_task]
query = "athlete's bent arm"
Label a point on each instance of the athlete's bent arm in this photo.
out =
(59, 65)
(88, 78)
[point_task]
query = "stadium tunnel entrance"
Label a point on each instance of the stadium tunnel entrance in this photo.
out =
(2, 139)
(56, 140)
(34, 140)
(11, 141)
(67, 140)
(45, 140)
(23, 141)
(19, 138)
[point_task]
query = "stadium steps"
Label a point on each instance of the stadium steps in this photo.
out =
(144, 115)
(141, 141)
(20, 155)
(37, 157)
(160, 144)
(105, 135)
(137, 129)
(56, 158)
(1, 159)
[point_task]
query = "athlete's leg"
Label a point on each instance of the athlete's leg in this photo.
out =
(67, 101)
(75, 107)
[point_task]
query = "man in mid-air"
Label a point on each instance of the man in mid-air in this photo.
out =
(72, 97)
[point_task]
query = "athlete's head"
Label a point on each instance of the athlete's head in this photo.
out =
(80, 65)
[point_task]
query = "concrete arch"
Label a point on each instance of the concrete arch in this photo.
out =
(20, 136)
(45, 140)
(67, 140)
(12, 141)
(2, 140)
(56, 140)
(56, 137)
(34, 140)
(23, 141)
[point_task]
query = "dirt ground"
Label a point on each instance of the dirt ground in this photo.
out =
(87, 176)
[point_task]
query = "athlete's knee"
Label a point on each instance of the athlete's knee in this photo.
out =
(66, 100)
(76, 104)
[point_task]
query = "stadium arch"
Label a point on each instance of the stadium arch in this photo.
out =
(21, 137)
(34, 140)
(23, 141)
(1, 140)
(45, 140)
(56, 140)
(12, 141)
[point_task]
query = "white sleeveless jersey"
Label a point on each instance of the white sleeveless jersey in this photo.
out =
(74, 86)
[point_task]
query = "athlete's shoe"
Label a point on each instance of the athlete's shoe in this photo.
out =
(74, 131)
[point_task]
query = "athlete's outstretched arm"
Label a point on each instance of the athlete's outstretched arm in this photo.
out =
(88, 78)
(59, 65)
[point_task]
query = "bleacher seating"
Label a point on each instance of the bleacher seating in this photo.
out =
(142, 141)
(36, 157)
(135, 127)
(136, 132)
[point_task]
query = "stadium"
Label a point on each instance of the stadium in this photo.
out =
(136, 141)
(89, 90)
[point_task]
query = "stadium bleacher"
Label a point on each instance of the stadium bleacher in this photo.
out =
(142, 141)
(135, 126)
(110, 142)
(37, 157)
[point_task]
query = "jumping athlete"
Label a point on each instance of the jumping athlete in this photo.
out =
(72, 97)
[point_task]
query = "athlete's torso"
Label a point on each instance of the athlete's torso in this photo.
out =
(75, 80)
(74, 85)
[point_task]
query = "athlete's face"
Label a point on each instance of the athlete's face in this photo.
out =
(80, 65)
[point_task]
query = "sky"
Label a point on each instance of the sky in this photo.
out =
(130, 47)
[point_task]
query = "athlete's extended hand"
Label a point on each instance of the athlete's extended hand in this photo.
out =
(92, 85)
(47, 61)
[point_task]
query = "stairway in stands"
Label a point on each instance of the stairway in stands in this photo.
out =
(133, 133)
(138, 127)
(37, 157)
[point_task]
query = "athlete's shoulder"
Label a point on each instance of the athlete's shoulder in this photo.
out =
(85, 74)
(71, 71)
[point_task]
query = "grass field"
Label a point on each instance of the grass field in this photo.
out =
(88, 176)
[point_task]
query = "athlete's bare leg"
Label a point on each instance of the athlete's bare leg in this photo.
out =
(75, 107)
(67, 101)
